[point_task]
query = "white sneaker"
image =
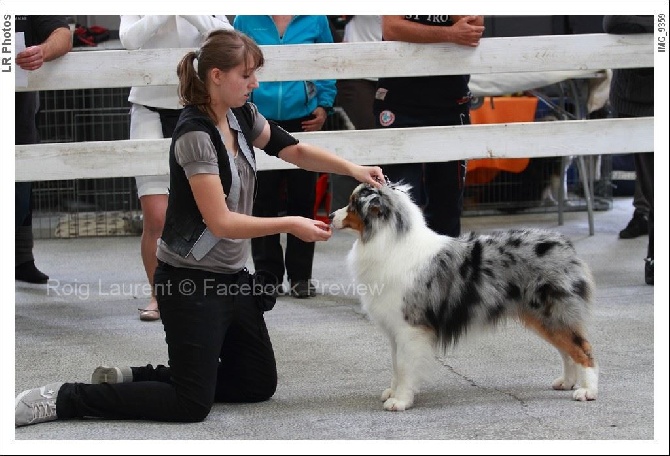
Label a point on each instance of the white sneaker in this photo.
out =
(106, 374)
(36, 405)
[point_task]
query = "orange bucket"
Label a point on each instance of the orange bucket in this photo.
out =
(499, 110)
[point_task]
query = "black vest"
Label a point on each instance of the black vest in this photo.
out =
(183, 221)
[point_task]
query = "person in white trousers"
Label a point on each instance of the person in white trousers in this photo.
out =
(153, 115)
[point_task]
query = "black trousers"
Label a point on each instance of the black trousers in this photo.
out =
(644, 169)
(356, 97)
(219, 351)
(300, 188)
(26, 133)
(438, 186)
(644, 177)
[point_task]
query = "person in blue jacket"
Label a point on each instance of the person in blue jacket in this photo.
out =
(296, 106)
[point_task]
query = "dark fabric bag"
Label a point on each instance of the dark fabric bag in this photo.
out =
(259, 288)
(265, 287)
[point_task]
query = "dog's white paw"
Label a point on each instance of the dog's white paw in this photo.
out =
(585, 394)
(393, 404)
(562, 383)
(388, 392)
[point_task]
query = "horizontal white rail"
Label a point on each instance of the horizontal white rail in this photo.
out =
(427, 144)
(494, 56)
(106, 69)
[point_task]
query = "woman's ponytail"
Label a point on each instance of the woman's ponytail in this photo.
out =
(192, 90)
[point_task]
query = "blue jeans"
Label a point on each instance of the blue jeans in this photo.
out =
(219, 351)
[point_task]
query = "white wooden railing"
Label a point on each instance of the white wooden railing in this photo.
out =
(101, 69)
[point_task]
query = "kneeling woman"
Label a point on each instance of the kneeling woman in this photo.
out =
(218, 345)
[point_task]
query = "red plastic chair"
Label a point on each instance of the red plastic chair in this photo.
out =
(323, 199)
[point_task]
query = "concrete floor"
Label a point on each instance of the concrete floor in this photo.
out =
(491, 394)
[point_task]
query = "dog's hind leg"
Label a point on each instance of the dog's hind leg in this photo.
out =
(569, 378)
(579, 365)
(412, 346)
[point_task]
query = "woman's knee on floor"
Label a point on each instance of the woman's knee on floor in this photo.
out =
(264, 389)
(195, 412)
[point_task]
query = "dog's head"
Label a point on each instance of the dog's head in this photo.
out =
(371, 210)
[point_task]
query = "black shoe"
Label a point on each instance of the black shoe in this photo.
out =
(28, 272)
(302, 289)
(649, 271)
(638, 226)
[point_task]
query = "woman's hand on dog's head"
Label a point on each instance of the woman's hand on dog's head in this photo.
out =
(371, 175)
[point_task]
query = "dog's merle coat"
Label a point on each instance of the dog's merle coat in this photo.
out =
(436, 288)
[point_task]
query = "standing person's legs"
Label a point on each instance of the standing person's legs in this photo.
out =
(153, 219)
(356, 97)
(26, 132)
(640, 203)
(266, 251)
(153, 194)
(644, 167)
(22, 197)
(24, 261)
(301, 194)
(445, 184)
(638, 224)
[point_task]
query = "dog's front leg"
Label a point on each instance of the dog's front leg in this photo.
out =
(411, 347)
(388, 392)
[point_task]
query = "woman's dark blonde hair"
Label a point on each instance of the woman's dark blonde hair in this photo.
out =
(222, 49)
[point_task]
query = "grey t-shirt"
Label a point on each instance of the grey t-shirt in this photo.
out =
(195, 152)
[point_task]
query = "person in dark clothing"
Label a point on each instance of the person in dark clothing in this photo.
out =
(356, 96)
(429, 101)
(46, 39)
(632, 95)
(638, 225)
(211, 307)
(296, 106)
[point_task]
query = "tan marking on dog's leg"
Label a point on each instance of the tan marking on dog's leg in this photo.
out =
(566, 340)
(570, 343)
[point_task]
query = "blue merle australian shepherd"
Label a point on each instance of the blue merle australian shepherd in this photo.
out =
(433, 289)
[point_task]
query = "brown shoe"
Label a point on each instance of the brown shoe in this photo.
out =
(149, 314)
